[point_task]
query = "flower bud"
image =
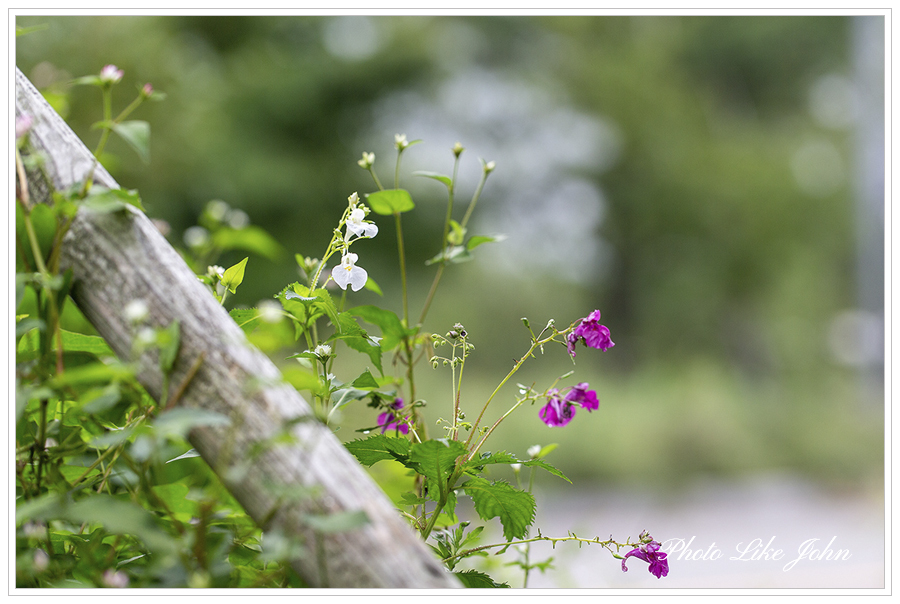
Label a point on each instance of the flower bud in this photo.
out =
(458, 149)
(110, 74)
(367, 160)
(400, 141)
(147, 90)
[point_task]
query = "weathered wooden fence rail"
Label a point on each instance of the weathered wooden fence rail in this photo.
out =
(119, 257)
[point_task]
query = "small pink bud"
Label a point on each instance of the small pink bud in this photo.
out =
(147, 90)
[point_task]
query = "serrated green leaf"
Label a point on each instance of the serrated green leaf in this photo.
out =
(390, 201)
(502, 457)
(446, 180)
(365, 345)
(380, 448)
(392, 330)
(436, 459)
(365, 380)
(246, 318)
(515, 508)
(137, 134)
(474, 579)
(234, 275)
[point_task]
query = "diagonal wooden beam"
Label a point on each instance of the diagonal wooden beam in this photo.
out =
(119, 257)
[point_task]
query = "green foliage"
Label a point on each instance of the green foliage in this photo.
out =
(391, 201)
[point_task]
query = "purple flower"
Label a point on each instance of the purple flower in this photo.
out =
(591, 333)
(649, 552)
(389, 420)
(556, 412)
(582, 396)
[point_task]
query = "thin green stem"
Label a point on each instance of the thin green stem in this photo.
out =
(402, 254)
(474, 201)
(608, 544)
(375, 178)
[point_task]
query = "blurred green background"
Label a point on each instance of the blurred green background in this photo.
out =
(704, 181)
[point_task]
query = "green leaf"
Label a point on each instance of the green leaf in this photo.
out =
(502, 457)
(169, 341)
(390, 201)
(234, 275)
(380, 448)
(477, 240)
(186, 455)
(246, 318)
(476, 580)
(103, 200)
(93, 373)
(337, 522)
(436, 460)
(392, 330)
(365, 380)
(180, 421)
(515, 508)
(251, 239)
(137, 134)
(372, 286)
(301, 379)
(448, 182)
(114, 515)
(356, 338)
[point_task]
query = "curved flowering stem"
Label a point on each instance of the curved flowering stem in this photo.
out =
(608, 544)
(536, 342)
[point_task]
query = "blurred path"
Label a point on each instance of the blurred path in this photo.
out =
(778, 511)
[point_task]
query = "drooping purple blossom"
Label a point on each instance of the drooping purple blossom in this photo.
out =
(556, 412)
(649, 552)
(591, 332)
(582, 396)
(390, 420)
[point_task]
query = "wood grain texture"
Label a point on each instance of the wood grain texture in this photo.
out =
(119, 257)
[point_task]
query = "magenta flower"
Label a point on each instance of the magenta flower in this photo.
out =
(389, 420)
(649, 552)
(591, 333)
(556, 412)
(582, 396)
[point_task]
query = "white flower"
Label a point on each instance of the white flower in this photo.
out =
(347, 273)
(269, 311)
(136, 311)
(516, 466)
(322, 351)
(400, 141)
(110, 74)
(534, 451)
(367, 160)
(358, 226)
